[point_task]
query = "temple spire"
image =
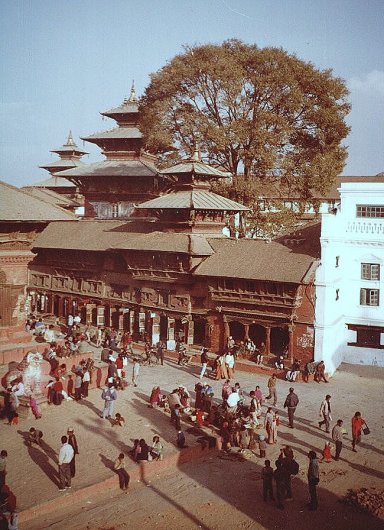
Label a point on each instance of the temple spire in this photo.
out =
(70, 140)
(133, 96)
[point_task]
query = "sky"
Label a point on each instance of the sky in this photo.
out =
(63, 62)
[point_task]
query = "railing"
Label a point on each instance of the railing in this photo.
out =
(366, 227)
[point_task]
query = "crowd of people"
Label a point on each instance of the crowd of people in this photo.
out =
(241, 420)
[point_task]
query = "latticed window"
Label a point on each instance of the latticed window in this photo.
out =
(370, 271)
(369, 297)
(370, 210)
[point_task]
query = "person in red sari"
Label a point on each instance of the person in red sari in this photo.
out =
(357, 425)
(155, 398)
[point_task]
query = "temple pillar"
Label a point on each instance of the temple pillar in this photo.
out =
(290, 343)
(155, 332)
(246, 332)
(267, 340)
(227, 331)
(190, 332)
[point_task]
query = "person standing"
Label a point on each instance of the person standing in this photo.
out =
(280, 477)
(109, 395)
(337, 437)
(320, 372)
(268, 424)
(65, 456)
(85, 382)
(291, 402)
(3, 467)
(160, 352)
(272, 392)
(119, 467)
(357, 426)
(325, 413)
(78, 384)
(73, 442)
(135, 371)
(313, 480)
(204, 362)
(267, 476)
(99, 337)
(230, 364)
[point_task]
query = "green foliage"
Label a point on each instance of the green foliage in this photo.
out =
(261, 112)
(267, 218)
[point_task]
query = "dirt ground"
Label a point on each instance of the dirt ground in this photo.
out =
(215, 492)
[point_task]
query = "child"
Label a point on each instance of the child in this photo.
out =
(35, 436)
(118, 420)
(34, 407)
(267, 475)
(181, 440)
(326, 453)
(262, 445)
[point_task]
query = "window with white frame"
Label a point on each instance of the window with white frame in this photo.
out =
(369, 297)
(370, 271)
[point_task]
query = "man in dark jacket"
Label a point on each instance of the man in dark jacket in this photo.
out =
(291, 402)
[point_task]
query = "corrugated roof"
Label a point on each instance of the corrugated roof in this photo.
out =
(91, 235)
(116, 133)
(113, 168)
(253, 259)
(18, 205)
(193, 199)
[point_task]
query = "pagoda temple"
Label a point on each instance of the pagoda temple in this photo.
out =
(153, 256)
(127, 176)
(69, 157)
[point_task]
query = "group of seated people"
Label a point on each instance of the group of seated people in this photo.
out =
(143, 452)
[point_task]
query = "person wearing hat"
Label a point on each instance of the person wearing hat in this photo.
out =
(73, 442)
(325, 413)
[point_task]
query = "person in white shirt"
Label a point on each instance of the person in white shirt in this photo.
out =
(230, 364)
(232, 401)
(49, 334)
(65, 456)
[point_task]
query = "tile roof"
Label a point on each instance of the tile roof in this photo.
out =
(193, 199)
(195, 167)
(103, 235)
(19, 205)
(65, 163)
(113, 168)
(51, 197)
(254, 259)
(55, 182)
(116, 133)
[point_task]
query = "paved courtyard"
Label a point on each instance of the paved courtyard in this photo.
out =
(32, 473)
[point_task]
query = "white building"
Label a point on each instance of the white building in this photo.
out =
(350, 279)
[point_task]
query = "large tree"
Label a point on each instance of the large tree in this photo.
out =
(261, 112)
